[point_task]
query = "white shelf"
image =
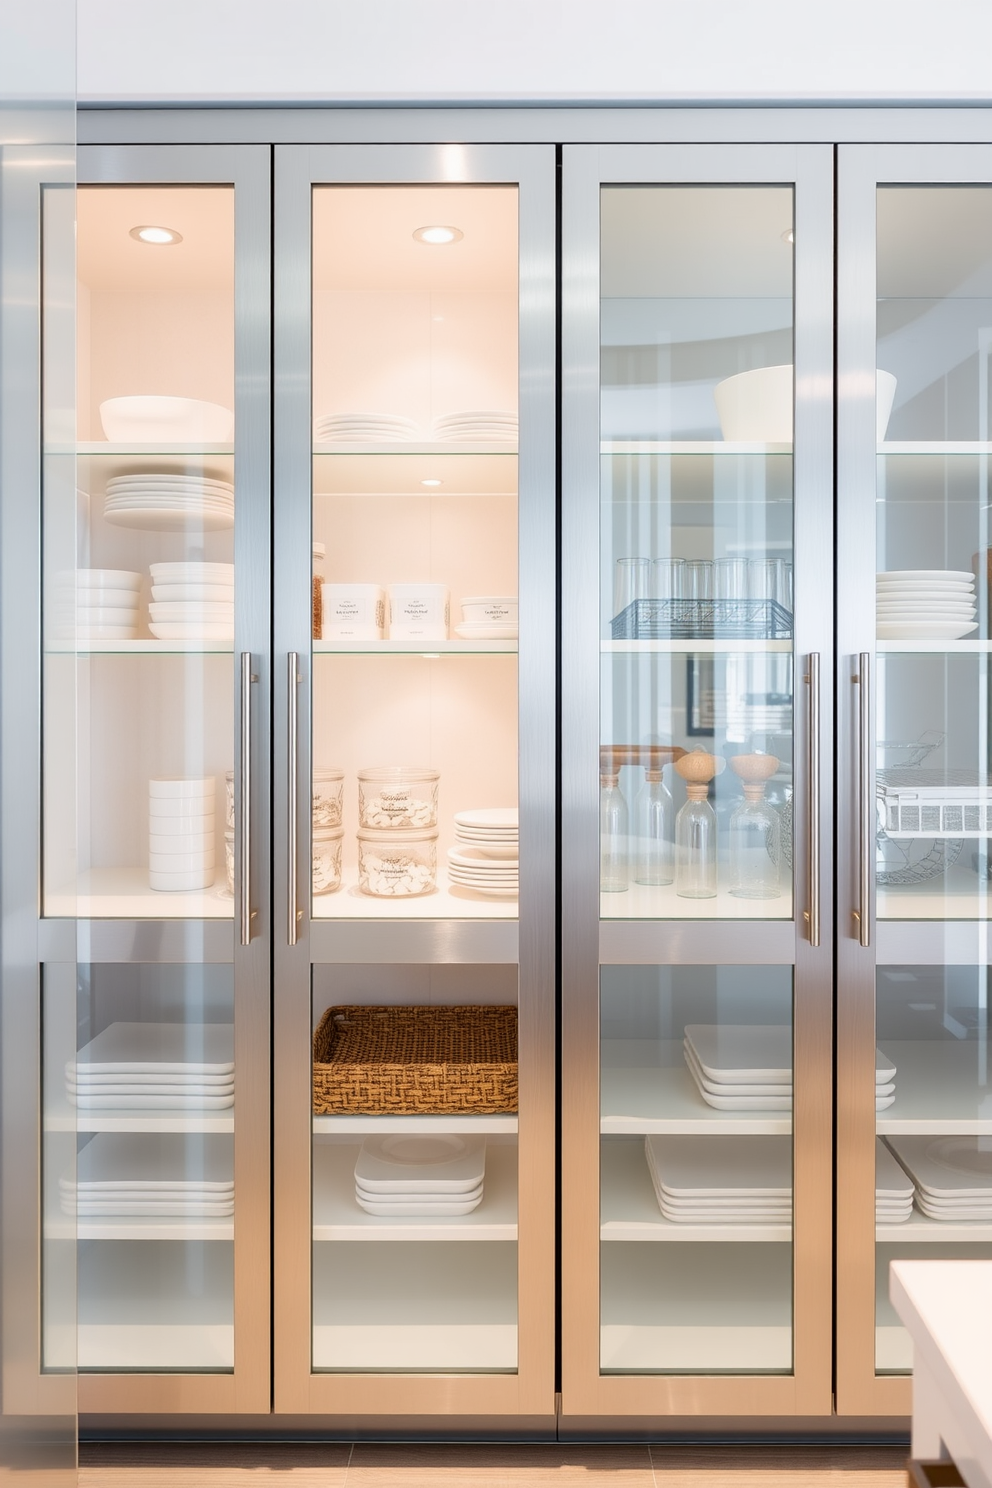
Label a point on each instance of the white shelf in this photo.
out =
(430, 447)
(935, 447)
(99, 460)
(950, 648)
(937, 1093)
(142, 648)
(638, 1098)
(123, 894)
(138, 1228)
(446, 903)
(337, 1215)
(475, 1125)
(640, 902)
(629, 1209)
(406, 648)
(957, 895)
(918, 1228)
(401, 469)
(65, 1119)
(695, 648)
(692, 447)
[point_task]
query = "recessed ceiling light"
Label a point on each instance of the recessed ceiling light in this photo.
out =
(438, 234)
(431, 483)
(160, 235)
(789, 236)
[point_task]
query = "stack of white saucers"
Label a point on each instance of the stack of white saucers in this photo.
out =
(953, 1175)
(477, 426)
(722, 1180)
(893, 1190)
(166, 502)
(748, 1067)
(486, 855)
(925, 604)
(155, 1067)
(96, 604)
(419, 1174)
(158, 1173)
(181, 833)
(365, 428)
(192, 601)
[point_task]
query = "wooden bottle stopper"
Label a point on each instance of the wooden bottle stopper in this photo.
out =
(697, 769)
(753, 770)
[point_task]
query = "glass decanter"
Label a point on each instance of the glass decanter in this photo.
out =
(654, 812)
(695, 828)
(755, 832)
(614, 834)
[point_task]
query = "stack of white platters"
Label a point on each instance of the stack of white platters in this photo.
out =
(158, 1173)
(192, 601)
(365, 428)
(893, 1190)
(417, 1174)
(181, 832)
(167, 502)
(155, 1067)
(748, 1066)
(486, 855)
(925, 604)
(96, 604)
(953, 1175)
(722, 1180)
(476, 426)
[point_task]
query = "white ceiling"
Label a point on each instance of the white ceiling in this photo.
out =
(107, 258)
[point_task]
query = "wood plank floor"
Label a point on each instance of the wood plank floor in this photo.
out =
(388, 1465)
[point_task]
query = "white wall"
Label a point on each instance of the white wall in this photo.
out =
(534, 50)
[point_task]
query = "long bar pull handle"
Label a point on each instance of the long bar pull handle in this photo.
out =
(247, 913)
(812, 680)
(866, 805)
(292, 804)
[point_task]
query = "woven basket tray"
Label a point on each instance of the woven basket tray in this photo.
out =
(415, 1059)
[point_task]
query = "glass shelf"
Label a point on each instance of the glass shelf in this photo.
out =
(143, 647)
(404, 648)
(928, 647)
(694, 648)
(630, 1208)
(476, 1125)
(402, 469)
(709, 447)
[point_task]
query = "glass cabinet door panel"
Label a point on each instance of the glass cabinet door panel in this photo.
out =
(696, 1150)
(415, 552)
(934, 336)
(139, 618)
(697, 549)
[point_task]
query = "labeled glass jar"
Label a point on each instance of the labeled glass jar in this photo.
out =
(397, 865)
(397, 797)
(326, 855)
(327, 798)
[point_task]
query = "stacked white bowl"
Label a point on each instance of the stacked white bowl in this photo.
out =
(925, 604)
(181, 833)
(192, 601)
(96, 604)
(486, 854)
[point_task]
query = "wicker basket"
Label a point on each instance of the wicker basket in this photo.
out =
(415, 1059)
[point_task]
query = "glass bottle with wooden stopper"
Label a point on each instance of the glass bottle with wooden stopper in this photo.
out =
(614, 830)
(755, 831)
(654, 811)
(695, 828)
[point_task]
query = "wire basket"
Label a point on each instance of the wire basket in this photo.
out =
(410, 1059)
(702, 620)
(934, 803)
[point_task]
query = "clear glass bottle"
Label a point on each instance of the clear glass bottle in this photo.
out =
(614, 833)
(695, 828)
(755, 832)
(654, 812)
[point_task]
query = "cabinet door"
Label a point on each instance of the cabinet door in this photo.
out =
(414, 633)
(915, 334)
(696, 704)
(156, 633)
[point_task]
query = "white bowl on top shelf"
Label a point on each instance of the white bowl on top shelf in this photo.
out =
(193, 593)
(757, 405)
(151, 418)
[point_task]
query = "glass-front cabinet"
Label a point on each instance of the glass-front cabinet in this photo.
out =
(915, 336)
(696, 969)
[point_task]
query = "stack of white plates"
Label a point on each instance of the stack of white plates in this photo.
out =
(925, 604)
(953, 1175)
(748, 1066)
(181, 833)
(476, 426)
(420, 1174)
(192, 601)
(893, 1190)
(158, 1173)
(488, 617)
(486, 855)
(96, 604)
(722, 1180)
(155, 1067)
(365, 428)
(165, 502)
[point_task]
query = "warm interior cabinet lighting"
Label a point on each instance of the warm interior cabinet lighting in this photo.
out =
(438, 234)
(161, 235)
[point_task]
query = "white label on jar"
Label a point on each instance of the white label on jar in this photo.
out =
(395, 807)
(395, 876)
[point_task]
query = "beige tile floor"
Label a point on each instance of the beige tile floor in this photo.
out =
(382, 1465)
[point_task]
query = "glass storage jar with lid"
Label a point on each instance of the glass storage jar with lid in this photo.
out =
(397, 797)
(397, 865)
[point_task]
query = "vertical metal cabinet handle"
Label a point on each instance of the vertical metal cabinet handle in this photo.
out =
(866, 806)
(292, 765)
(812, 680)
(247, 913)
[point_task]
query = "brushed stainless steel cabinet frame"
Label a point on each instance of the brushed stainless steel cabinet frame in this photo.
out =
(586, 942)
(247, 1387)
(861, 949)
(530, 942)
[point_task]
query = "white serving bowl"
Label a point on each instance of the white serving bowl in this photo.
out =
(175, 610)
(99, 578)
(181, 630)
(104, 633)
(175, 826)
(757, 405)
(90, 615)
(151, 418)
(490, 609)
(192, 593)
(181, 787)
(88, 600)
(192, 573)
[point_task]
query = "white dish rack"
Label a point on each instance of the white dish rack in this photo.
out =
(934, 803)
